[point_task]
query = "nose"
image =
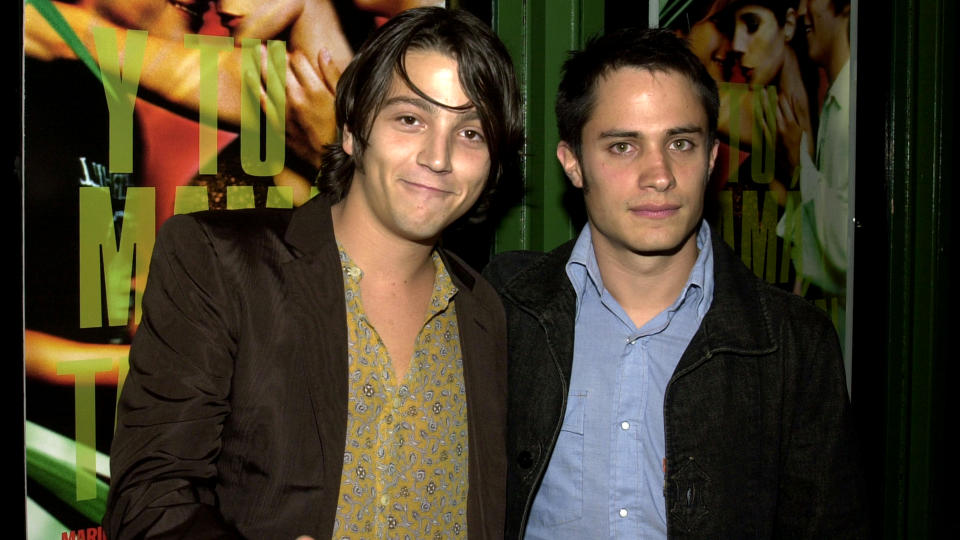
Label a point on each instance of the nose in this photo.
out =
(740, 39)
(435, 153)
(657, 173)
(721, 49)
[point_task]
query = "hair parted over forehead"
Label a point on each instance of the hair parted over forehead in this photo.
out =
(649, 49)
(486, 75)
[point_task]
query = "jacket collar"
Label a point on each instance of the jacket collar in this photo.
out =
(311, 233)
(738, 320)
(311, 228)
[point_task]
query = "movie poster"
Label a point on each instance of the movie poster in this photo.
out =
(782, 184)
(135, 111)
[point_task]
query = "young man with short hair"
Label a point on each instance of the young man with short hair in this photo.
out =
(657, 387)
(329, 371)
(824, 211)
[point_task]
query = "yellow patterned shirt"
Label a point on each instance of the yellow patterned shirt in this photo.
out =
(405, 463)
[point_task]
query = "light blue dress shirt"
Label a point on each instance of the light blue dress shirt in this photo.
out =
(605, 478)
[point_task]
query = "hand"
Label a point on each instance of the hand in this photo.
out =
(793, 119)
(793, 111)
(311, 91)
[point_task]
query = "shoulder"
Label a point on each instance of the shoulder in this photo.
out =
(228, 246)
(794, 317)
(516, 268)
(470, 281)
(762, 312)
(224, 232)
(226, 225)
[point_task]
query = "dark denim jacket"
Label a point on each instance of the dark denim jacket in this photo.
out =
(756, 417)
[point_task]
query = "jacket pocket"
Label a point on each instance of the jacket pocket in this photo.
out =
(560, 497)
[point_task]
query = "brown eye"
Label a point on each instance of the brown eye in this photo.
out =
(472, 135)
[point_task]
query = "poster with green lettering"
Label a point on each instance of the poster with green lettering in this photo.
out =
(782, 181)
(135, 111)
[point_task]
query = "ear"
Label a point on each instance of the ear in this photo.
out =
(790, 24)
(571, 165)
(713, 156)
(347, 142)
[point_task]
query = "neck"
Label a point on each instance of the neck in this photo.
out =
(375, 250)
(644, 284)
(838, 58)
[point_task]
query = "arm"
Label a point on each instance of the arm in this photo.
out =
(42, 353)
(824, 180)
(821, 492)
(176, 396)
(170, 71)
(825, 188)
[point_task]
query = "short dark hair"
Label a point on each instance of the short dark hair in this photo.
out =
(648, 49)
(486, 75)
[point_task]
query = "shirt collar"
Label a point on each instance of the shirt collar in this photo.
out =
(583, 271)
(839, 91)
(443, 287)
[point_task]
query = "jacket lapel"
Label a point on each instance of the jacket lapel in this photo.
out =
(733, 323)
(483, 349)
(314, 286)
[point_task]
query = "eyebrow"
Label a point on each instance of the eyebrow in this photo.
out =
(627, 134)
(431, 108)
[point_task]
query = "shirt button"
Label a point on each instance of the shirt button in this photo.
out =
(623, 512)
(624, 425)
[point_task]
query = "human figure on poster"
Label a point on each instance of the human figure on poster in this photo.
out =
(657, 387)
(315, 34)
(330, 370)
(824, 168)
(747, 47)
(170, 78)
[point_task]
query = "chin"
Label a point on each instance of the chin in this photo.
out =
(662, 245)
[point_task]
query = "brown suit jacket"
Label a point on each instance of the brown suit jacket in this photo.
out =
(232, 421)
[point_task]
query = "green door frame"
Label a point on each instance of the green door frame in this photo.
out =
(538, 35)
(920, 166)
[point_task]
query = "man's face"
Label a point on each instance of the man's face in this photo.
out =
(761, 41)
(645, 162)
(424, 165)
(822, 26)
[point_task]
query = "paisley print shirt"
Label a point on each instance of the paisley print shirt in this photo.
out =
(405, 462)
